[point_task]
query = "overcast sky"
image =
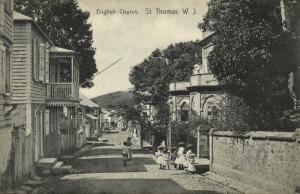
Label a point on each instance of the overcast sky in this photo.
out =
(133, 37)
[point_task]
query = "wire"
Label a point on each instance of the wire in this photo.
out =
(98, 73)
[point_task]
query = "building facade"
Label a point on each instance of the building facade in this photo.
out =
(6, 125)
(198, 97)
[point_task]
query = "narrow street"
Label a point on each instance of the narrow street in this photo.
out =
(100, 170)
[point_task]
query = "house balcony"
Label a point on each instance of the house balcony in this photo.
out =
(179, 86)
(62, 93)
(207, 79)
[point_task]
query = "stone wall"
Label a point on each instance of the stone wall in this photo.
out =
(266, 160)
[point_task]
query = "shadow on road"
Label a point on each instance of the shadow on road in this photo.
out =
(111, 165)
(111, 151)
(121, 186)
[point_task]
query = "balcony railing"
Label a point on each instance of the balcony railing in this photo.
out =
(203, 80)
(179, 86)
(62, 91)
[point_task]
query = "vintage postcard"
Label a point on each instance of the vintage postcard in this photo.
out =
(137, 96)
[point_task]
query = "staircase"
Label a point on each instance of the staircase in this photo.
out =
(51, 166)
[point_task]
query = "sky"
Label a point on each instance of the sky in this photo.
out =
(132, 37)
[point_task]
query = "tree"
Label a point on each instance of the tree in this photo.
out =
(67, 26)
(252, 56)
(151, 78)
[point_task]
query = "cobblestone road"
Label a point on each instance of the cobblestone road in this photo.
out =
(100, 170)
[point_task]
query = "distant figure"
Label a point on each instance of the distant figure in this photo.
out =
(160, 157)
(163, 144)
(191, 163)
(128, 145)
(180, 160)
(125, 153)
(187, 155)
(173, 154)
(166, 156)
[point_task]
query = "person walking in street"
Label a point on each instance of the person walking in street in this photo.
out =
(125, 153)
(128, 145)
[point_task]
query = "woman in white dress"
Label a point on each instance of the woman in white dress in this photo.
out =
(160, 157)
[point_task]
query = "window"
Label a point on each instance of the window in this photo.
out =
(205, 54)
(40, 61)
(184, 112)
(5, 59)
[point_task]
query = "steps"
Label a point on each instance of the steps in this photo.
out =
(46, 162)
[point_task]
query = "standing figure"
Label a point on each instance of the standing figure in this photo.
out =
(173, 154)
(166, 155)
(191, 163)
(160, 157)
(188, 153)
(180, 160)
(128, 145)
(125, 153)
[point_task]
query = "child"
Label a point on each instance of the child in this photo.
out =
(160, 158)
(173, 156)
(180, 160)
(191, 163)
(187, 155)
(125, 153)
(166, 156)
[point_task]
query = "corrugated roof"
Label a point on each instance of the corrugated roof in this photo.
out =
(85, 101)
(60, 50)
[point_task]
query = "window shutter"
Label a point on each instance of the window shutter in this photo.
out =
(47, 119)
(47, 65)
(3, 81)
(41, 62)
(1, 15)
(7, 70)
(1, 69)
(34, 75)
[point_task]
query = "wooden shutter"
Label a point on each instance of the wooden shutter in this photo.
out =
(41, 62)
(1, 69)
(3, 81)
(47, 65)
(47, 119)
(7, 70)
(1, 15)
(34, 62)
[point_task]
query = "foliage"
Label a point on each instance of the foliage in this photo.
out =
(67, 26)
(151, 78)
(129, 113)
(252, 56)
(231, 113)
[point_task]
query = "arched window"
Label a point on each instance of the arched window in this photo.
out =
(193, 104)
(184, 112)
(208, 106)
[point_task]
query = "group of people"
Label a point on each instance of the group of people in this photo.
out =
(182, 158)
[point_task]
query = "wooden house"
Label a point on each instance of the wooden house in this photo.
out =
(30, 75)
(91, 116)
(6, 127)
(62, 100)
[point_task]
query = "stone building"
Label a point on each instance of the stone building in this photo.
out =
(197, 96)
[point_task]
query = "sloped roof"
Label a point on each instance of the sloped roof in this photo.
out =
(60, 50)
(19, 16)
(91, 116)
(85, 101)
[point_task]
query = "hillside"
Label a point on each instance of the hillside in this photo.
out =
(114, 99)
